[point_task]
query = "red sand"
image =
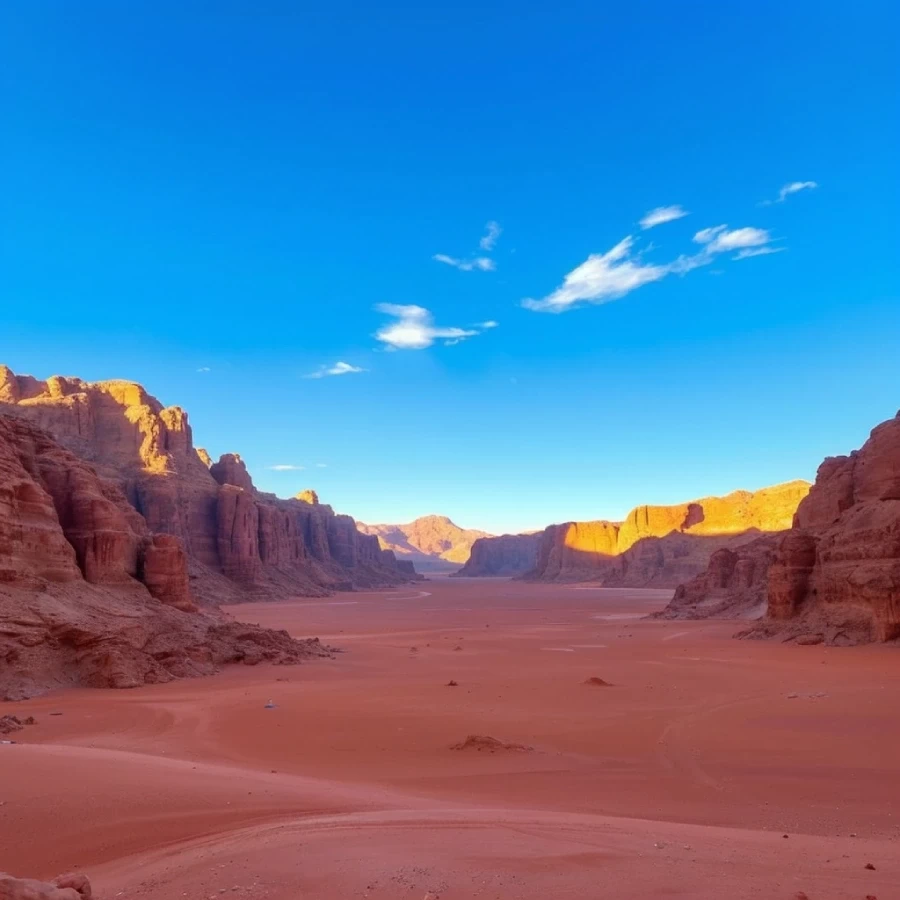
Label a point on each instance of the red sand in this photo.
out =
(677, 781)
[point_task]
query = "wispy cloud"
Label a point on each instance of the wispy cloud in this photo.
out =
(482, 263)
(792, 187)
(286, 467)
(321, 465)
(414, 328)
(475, 263)
(204, 369)
(603, 277)
(339, 368)
(489, 241)
(661, 215)
(489, 324)
(758, 251)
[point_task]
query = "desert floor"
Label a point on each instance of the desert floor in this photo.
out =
(710, 768)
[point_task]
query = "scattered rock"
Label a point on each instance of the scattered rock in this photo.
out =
(452, 683)
(481, 742)
(457, 647)
(870, 866)
(594, 681)
(10, 724)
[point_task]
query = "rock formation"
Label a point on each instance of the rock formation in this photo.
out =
(431, 543)
(835, 575)
(66, 887)
(238, 543)
(662, 546)
(507, 555)
(88, 594)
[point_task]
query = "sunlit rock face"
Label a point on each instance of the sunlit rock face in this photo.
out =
(663, 545)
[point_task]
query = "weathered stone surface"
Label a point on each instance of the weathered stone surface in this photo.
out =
(66, 887)
(239, 543)
(506, 555)
(663, 545)
(834, 577)
(163, 569)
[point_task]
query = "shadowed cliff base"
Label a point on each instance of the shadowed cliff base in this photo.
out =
(507, 555)
(834, 577)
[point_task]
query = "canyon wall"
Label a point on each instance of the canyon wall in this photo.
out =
(89, 595)
(239, 543)
(835, 575)
(505, 555)
(662, 546)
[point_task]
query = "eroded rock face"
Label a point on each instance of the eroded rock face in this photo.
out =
(239, 543)
(506, 555)
(663, 546)
(88, 595)
(834, 577)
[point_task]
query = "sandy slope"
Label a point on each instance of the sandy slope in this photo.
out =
(678, 781)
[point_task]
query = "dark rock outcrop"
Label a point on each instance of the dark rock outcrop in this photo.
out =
(507, 555)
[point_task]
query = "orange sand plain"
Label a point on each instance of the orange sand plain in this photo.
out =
(677, 781)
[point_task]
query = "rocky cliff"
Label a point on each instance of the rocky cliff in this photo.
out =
(430, 543)
(835, 575)
(662, 546)
(239, 543)
(506, 555)
(89, 594)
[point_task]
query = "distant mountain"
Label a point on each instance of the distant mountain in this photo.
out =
(431, 543)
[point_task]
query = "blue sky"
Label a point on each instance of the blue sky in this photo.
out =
(222, 199)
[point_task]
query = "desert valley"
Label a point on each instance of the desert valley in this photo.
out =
(449, 451)
(586, 722)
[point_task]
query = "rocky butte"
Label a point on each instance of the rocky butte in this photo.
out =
(834, 577)
(115, 530)
(430, 543)
(661, 546)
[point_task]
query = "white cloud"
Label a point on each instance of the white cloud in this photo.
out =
(794, 187)
(489, 324)
(286, 467)
(489, 241)
(414, 328)
(705, 235)
(599, 279)
(611, 275)
(758, 251)
(725, 240)
(661, 215)
(481, 263)
(339, 368)
(204, 369)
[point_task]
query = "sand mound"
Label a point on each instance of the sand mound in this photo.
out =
(66, 887)
(481, 742)
(594, 681)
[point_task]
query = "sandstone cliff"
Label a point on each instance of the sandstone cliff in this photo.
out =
(431, 543)
(835, 575)
(89, 595)
(662, 546)
(239, 542)
(506, 555)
